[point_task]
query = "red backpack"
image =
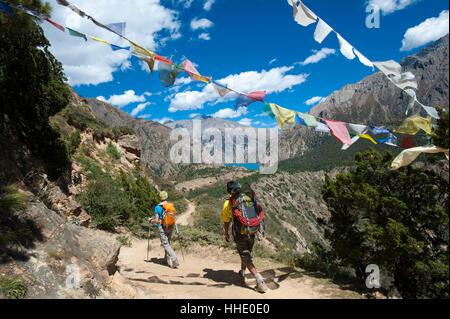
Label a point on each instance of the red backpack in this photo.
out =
(247, 212)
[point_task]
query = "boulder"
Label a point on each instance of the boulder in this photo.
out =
(131, 143)
(60, 246)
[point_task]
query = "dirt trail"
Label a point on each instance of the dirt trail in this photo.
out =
(209, 272)
(184, 219)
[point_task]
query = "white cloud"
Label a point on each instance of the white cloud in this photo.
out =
(230, 113)
(201, 24)
(273, 81)
(93, 62)
(124, 99)
(208, 4)
(246, 121)
(273, 61)
(183, 81)
(314, 100)
(164, 120)
(138, 109)
(192, 115)
(318, 56)
(430, 30)
(390, 6)
(204, 36)
(144, 116)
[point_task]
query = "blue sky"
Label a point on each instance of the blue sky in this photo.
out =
(251, 45)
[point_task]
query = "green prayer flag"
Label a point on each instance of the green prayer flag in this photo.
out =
(267, 110)
(76, 33)
(308, 119)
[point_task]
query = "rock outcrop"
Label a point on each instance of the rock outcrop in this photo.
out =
(61, 251)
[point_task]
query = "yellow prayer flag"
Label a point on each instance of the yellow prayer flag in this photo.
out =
(412, 125)
(367, 136)
(202, 78)
(99, 40)
(408, 156)
(144, 54)
(285, 117)
(141, 50)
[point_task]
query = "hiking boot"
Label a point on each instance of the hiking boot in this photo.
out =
(261, 287)
(241, 277)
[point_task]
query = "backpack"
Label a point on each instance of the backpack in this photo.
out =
(168, 217)
(247, 212)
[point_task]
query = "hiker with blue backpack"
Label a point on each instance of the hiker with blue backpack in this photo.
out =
(165, 219)
(245, 212)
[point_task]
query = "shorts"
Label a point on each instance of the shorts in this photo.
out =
(244, 246)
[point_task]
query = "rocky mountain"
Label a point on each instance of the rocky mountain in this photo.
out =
(376, 101)
(155, 137)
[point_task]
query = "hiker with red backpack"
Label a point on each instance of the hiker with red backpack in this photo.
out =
(165, 219)
(246, 214)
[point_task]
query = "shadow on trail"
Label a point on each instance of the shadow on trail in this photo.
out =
(224, 278)
(159, 261)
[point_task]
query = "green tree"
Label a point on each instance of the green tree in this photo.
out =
(396, 219)
(31, 87)
(441, 133)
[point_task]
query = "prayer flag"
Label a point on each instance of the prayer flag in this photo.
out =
(407, 142)
(346, 48)
(116, 47)
(412, 125)
(190, 69)
(391, 140)
(339, 131)
(285, 118)
(6, 7)
(267, 110)
(367, 136)
(168, 73)
(56, 25)
(322, 128)
(76, 33)
(221, 89)
(322, 31)
(99, 40)
(363, 59)
(309, 120)
(246, 100)
(117, 28)
(379, 130)
(408, 156)
(303, 15)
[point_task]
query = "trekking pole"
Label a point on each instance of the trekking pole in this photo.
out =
(181, 245)
(148, 240)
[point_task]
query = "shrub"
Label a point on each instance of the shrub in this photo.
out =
(11, 198)
(112, 150)
(73, 142)
(124, 240)
(397, 220)
(13, 288)
(103, 199)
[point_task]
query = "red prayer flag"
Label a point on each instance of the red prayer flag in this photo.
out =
(259, 96)
(339, 131)
(56, 25)
(162, 59)
(407, 142)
